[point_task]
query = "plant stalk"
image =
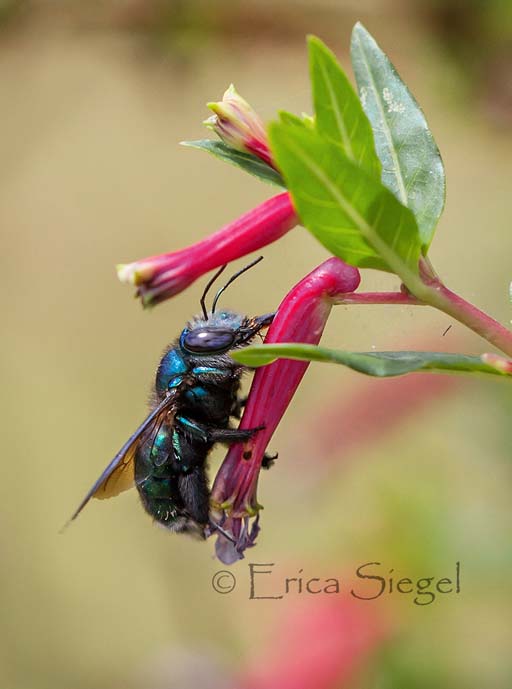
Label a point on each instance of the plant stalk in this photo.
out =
(445, 300)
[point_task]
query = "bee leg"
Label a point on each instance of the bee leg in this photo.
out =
(193, 429)
(232, 435)
(215, 435)
(194, 492)
(268, 460)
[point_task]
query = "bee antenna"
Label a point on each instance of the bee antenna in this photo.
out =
(232, 279)
(207, 289)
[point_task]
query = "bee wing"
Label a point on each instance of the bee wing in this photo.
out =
(119, 474)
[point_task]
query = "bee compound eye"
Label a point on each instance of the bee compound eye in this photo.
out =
(208, 340)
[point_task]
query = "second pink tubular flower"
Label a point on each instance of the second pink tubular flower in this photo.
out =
(301, 317)
(159, 277)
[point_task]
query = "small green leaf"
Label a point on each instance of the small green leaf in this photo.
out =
(349, 212)
(290, 118)
(340, 117)
(411, 163)
(246, 161)
(380, 364)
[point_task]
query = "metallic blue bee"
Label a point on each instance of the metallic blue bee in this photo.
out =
(196, 392)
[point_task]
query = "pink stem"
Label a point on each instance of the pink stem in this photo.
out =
(478, 321)
(447, 301)
(442, 298)
(434, 293)
(381, 298)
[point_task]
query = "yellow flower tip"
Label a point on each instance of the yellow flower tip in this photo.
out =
(230, 92)
(220, 109)
(134, 274)
(227, 505)
(125, 272)
(231, 99)
(252, 510)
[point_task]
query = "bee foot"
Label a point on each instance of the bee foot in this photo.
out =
(269, 460)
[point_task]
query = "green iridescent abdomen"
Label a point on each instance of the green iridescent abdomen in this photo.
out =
(165, 471)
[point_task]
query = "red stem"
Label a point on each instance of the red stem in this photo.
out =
(381, 298)
(475, 319)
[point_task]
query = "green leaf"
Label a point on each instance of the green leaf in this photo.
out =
(380, 364)
(349, 212)
(340, 117)
(411, 163)
(251, 164)
(289, 118)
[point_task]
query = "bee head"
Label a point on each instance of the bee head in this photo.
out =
(221, 331)
(218, 332)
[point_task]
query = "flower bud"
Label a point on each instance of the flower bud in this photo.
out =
(238, 125)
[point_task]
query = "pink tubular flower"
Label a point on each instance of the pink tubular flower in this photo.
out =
(301, 317)
(159, 277)
(237, 124)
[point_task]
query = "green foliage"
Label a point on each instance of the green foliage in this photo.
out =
(380, 364)
(351, 213)
(339, 115)
(370, 186)
(341, 165)
(411, 163)
(290, 118)
(245, 161)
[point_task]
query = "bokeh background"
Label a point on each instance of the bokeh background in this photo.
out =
(414, 473)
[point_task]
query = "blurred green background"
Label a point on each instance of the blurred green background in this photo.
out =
(94, 99)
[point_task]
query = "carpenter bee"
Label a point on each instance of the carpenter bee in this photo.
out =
(196, 391)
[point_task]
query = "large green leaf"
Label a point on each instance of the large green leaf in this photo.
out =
(246, 161)
(340, 117)
(411, 163)
(381, 364)
(351, 213)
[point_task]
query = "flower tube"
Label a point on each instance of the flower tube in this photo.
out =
(301, 317)
(159, 277)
